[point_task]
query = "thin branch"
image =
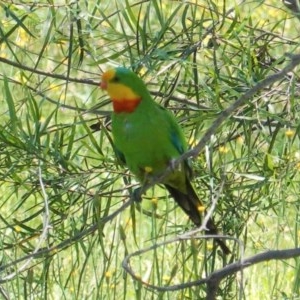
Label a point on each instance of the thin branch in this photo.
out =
(128, 269)
(214, 277)
(47, 74)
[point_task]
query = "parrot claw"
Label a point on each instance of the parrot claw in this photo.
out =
(136, 195)
(173, 165)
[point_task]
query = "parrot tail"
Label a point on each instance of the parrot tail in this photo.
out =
(191, 204)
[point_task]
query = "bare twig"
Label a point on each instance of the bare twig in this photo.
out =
(4, 294)
(216, 276)
(47, 74)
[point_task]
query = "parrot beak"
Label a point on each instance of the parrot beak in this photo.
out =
(103, 85)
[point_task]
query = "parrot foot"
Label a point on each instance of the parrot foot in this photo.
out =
(136, 195)
(172, 165)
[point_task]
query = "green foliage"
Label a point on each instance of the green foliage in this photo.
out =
(60, 181)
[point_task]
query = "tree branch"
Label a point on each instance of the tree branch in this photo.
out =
(213, 280)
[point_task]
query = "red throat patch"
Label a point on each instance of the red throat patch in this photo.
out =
(125, 105)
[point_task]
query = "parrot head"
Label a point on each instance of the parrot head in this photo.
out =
(125, 89)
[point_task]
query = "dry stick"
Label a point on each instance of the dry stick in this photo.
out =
(216, 276)
(47, 74)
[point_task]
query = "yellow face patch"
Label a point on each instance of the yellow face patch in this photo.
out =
(117, 91)
(120, 92)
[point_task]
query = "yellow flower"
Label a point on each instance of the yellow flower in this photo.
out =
(192, 141)
(154, 202)
(108, 274)
(19, 76)
(223, 149)
(289, 133)
(142, 71)
(18, 228)
(210, 246)
(240, 140)
(54, 251)
(201, 208)
(23, 37)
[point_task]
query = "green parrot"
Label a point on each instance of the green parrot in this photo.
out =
(148, 139)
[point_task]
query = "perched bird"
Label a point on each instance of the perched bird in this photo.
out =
(148, 139)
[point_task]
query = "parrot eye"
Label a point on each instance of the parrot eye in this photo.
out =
(116, 79)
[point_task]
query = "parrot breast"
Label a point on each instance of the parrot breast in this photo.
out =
(145, 141)
(125, 105)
